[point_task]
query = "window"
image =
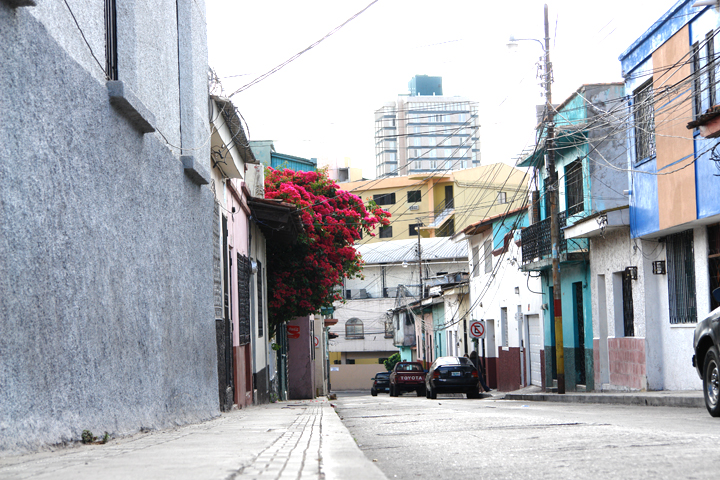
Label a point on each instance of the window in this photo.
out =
(681, 277)
(111, 40)
(414, 229)
(414, 196)
(704, 75)
(502, 198)
(348, 294)
(389, 331)
(628, 323)
(386, 232)
(475, 260)
(244, 272)
(354, 328)
(488, 255)
(385, 199)
(574, 187)
(644, 113)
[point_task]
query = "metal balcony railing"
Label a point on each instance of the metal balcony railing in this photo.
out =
(536, 240)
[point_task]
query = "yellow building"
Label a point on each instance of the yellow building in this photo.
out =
(437, 204)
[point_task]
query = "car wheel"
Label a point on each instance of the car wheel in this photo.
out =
(433, 393)
(420, 392)
(393, 392)
(373, 392)
(427, 392)
(711, 382)
(473, 394)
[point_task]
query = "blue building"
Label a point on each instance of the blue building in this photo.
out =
(671, 81)
(264, 151)
(585, 144)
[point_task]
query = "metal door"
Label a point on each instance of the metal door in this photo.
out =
(536, 345)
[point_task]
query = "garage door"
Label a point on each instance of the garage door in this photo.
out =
(536, 344)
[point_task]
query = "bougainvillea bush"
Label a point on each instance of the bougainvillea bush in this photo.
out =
(303, 277)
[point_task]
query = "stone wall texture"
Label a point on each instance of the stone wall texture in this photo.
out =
(106, 282)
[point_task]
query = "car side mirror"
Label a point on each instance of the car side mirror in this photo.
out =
(716, 294)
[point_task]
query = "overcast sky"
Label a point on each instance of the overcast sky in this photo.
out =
(322, 104)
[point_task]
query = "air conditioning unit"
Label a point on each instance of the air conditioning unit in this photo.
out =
(414, 207)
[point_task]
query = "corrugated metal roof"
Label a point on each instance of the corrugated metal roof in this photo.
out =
(398, 251)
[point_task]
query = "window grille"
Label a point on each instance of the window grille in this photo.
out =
(111, 67)
(710, 66)
(574, 187)
(644, 113)
(628, 323)
(414, 229)
(244, 272)
(502, 197)
(681, 277)
(414, 196)
(386, 232)
(697, 80)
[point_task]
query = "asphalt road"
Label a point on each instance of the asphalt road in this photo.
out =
(412, 437)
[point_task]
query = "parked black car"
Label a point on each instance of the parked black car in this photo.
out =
(452, 375)
(707, 357)
(381, 383)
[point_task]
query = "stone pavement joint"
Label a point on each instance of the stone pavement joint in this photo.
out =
(299, 440)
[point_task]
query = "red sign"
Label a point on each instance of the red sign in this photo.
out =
(293, 331)
(317, 341)
(477, 329)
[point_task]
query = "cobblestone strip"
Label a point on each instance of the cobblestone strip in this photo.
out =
(294, 455)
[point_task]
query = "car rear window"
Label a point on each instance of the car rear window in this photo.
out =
(409, 367)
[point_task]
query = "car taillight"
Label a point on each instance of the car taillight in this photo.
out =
(475, 374)
(436, 374)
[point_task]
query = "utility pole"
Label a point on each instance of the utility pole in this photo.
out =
(554, 224)
(422, 293)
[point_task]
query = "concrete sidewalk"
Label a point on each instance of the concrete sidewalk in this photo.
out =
(683, 398)
(298, 440)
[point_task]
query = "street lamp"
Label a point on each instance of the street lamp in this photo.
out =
(552, 188)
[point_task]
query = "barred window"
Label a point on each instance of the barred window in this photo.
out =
(574, 187)
(681, 277)
(386, 232)
(644, 113)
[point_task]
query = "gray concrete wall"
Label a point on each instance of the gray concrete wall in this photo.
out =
(106, 307)
(607, 147)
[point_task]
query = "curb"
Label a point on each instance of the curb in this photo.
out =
(341, 457)
(644, 400)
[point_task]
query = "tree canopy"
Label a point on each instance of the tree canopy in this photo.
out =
(303, 277)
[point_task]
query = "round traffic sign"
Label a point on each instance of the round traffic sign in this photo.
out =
(317, 341)
(477, 329)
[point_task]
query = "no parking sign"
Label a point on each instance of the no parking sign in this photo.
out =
(477, 329)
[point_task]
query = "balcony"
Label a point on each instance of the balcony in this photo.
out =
(537, 248)
(443, 212)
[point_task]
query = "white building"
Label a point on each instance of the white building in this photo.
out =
(508, 300)
(364, 332)
(426, 131)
